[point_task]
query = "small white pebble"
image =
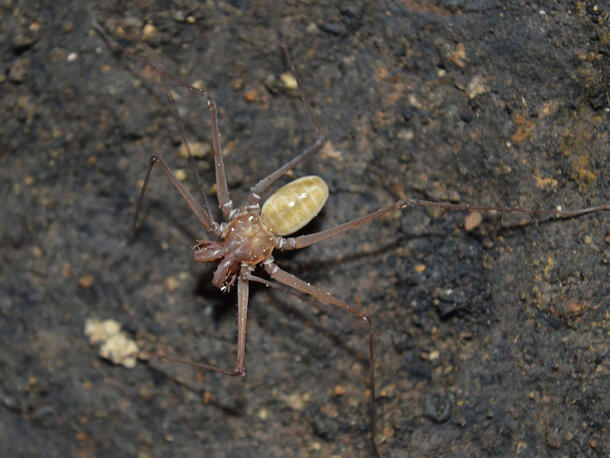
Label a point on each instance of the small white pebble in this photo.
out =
(289, 81)
(180, 174)
(149, 32)
(72, 57)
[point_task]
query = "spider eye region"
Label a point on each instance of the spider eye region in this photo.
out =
(247, 240)
(294, 205)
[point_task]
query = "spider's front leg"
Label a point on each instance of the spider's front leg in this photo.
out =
(202, 215)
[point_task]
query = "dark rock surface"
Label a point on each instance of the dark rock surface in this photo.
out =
(490, 342)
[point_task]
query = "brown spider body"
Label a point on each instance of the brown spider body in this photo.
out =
(250, 237)
(246, 240)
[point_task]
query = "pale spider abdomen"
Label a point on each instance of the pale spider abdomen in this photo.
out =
(294, 205)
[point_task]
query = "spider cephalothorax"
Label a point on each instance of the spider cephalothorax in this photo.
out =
(246, 240)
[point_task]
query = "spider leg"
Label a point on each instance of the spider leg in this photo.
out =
(285, 278)
(181, 129)
(294, 243)
(329, 309)
(242, 315)
(222, 190)
(260, 187)
(224, 201)
(209, 225)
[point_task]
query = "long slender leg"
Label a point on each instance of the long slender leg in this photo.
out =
(195, 206)
(222, 190)
(181, 129)
(290, 280)
(224, 201)
(310, 239)
(327, 308)
(260, 187)
(242, 315)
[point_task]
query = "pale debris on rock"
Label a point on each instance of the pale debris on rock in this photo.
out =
(289, 81)
(477, 86)
(115, 345)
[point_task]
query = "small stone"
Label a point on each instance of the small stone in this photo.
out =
(180, 174)
(473, 220)
(412, 99)
(149, 32)
(289, 81)
(251, 95)
(86, 281)
(419, 268)
(171, 283)
(339, 390)
(312, 28)
(284, 83)
(198, 84)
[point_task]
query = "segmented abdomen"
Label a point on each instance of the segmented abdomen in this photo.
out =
(294, 205)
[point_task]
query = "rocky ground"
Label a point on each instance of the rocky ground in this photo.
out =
(492, 337)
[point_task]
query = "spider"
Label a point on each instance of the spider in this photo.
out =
(251, 234)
